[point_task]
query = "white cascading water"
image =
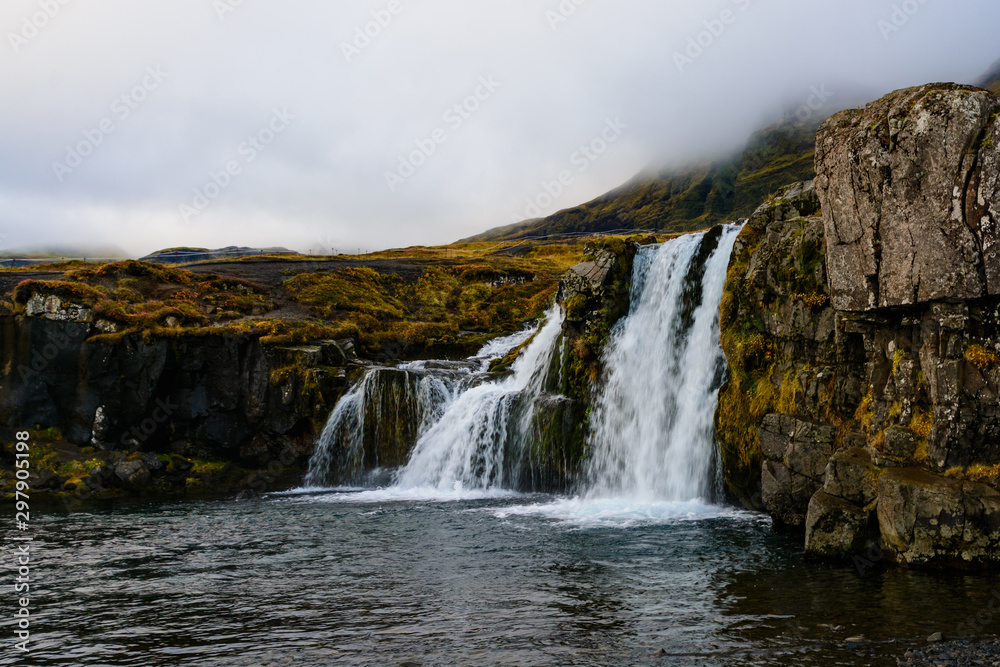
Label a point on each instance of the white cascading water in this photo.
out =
(339, 456)
(651, 430)
(469, 446)
(409, 398)
(652, 435)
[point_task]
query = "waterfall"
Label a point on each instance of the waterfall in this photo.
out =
(480, 440)
(652, 436)
(383, 414)
(389, 406)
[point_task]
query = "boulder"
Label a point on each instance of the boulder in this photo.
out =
(132, 474)
(590, 277)
(152, 462)
(851, 476)
(910, 198)
(926, 519)
(835, 526)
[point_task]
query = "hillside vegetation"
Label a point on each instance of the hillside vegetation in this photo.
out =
(689, 198)
(408, 302)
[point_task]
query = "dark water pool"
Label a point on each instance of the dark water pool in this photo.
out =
(383, 579)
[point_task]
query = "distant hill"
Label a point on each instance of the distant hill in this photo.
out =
(703, 194)
(991, 80)
(186, 255)
(691, 197)
(105, 251)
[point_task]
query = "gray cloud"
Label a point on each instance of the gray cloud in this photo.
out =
(322, 179)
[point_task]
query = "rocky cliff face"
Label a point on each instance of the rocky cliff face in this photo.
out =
(862, 325)
(911, 198)
(218, 398)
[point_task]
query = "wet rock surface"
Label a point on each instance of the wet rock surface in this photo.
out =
(866, 304)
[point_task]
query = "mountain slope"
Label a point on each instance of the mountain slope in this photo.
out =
(186, 255)
(688, 198)
(703, 194)
(991, 80)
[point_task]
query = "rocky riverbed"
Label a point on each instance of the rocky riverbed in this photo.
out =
(957, 653)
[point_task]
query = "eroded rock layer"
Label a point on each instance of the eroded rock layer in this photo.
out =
(862, 326)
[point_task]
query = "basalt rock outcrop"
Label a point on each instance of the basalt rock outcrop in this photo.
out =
(862, 325)
(219, 398)
(911, 199)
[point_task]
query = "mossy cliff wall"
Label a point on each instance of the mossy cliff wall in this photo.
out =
(861, 321)
(220, 398)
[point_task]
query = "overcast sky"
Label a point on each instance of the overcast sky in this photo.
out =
(243, 122)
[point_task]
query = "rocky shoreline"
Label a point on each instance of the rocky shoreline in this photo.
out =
(954, 653)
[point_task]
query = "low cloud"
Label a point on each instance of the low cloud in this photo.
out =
(370, 84)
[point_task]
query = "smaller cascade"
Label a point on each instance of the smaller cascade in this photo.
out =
(483, 437)
(379, 415)
(376, 423)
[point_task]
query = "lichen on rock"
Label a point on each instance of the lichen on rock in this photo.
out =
(898, 367)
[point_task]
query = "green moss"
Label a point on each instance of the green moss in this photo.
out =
(863, 414)
(208, 467)
(385, 313)
(763, 379)
(78, 293)
(980, 357)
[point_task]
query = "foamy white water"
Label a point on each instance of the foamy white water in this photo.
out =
(417, 392)
(475, 440)
(585, 512)
(652, 431)
(395, 494)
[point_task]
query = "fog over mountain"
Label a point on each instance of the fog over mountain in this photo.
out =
(385, 123)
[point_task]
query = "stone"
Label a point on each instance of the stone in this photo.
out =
(52, 307)
(810, 449)
(785, 494)
(900, 442)
(99, 476)
(835, 526)
(797, 453)
(132, 474)
(348, 347)
(248, 495)
(775, 434)
(152, 462)
(106, 326)
(909, 207)
(589, 277)
(803, 447)
(936, 637)
(332, 353)
(927, 519)
(851, 476)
